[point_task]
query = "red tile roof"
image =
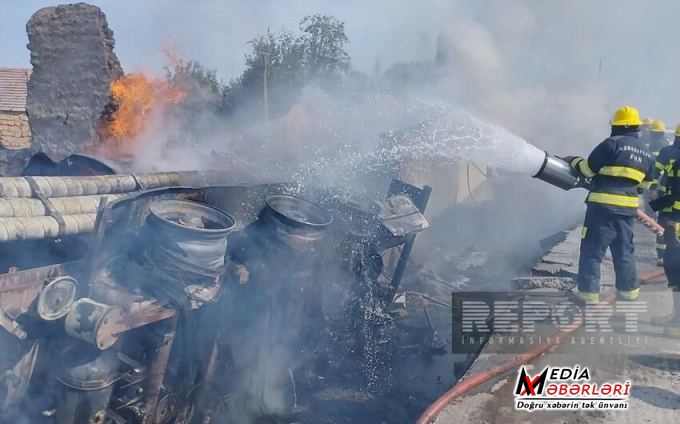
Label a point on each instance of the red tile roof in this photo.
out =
(13, 89)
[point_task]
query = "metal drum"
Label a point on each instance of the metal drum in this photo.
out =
(295, 223)
(188, 237)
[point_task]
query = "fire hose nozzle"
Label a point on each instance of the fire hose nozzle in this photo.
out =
(558, 172)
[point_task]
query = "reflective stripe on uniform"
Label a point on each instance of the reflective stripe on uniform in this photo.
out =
(629, 295)
(676, 206)
(584, 231)
(655, 154)
(662, 188)
(617, 200)
(645, 185)
(660, 246)
(582, 166)
(622, 171)
(660, 166)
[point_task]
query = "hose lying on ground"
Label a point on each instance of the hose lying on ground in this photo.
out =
(466, 385)
(475, 380)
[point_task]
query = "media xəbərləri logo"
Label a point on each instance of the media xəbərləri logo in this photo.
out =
(557, 388)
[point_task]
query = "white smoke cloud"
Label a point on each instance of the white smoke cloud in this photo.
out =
(545, 70)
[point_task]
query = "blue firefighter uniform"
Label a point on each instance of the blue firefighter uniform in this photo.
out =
(671, 264)
(672, 257)
(619, 168)
(657, 141)
(664, 168)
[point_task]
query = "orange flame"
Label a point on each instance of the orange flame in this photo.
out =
(135, 97)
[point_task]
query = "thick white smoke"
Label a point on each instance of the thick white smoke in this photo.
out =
(551, 72)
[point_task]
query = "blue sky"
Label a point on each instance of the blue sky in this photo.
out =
(216, 32)
(515, 58)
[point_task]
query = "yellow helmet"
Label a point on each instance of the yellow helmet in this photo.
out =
(627, 116)
(677, 130)
(648, 121)
(657, 126)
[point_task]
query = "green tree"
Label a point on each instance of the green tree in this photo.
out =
(290, 62)
(202, 87)
(204, 93)
(282, 56)
(324, 40)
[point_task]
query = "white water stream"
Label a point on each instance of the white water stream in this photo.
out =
(339, 139)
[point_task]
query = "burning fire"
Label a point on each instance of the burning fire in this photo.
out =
(134, 98)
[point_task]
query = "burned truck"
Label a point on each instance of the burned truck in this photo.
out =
(169, 298)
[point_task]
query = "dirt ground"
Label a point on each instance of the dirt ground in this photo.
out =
(651, 363)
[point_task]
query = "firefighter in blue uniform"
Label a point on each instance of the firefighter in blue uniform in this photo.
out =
(665, 159)
(619, 168)
(657, 137)
(671, 264)
(652, 135)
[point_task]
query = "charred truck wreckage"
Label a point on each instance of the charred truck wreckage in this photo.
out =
(182, 297)
(122, 329)
(178, 249)
(172, 297)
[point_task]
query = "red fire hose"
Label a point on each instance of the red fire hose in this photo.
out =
(464, 386)
(649, 222)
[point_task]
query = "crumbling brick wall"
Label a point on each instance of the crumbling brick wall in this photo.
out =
(73, 66)
(14, 130)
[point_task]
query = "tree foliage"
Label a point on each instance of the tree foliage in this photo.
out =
(204, 94)
(202, 87)
(290, 62)
(324, 40)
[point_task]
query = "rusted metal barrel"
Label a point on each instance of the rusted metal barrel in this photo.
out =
(188, 238)
(100, 184)
(295, 223)
(40, 227)
(77, 205)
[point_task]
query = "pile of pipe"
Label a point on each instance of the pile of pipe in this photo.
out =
(25, 216)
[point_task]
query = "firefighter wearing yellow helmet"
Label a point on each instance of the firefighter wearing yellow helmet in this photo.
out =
(657, 137)
(655, 141)
(618, 168)
(644, 130)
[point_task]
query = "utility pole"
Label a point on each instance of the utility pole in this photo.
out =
(266, 95)
(599, 70)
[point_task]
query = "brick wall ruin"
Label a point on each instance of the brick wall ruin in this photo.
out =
(14, 130)
(73, 66)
